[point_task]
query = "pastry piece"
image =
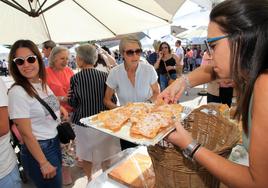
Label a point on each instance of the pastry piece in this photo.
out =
(135, 109)
(136, 172)
(175, 109)
(149, 125)
(113, 119)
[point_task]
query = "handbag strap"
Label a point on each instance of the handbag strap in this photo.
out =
(52, 113)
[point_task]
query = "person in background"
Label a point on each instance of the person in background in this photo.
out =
(58, 79)
(152, 58)
(218, 91)
(47, 46)
(108, 56)
(86, 97)
(190, 60)
(237, 43)
(59, 75)
(132, 81)
(166, 64)
(40, 153)
(103, 63)
(5, 67)
(199, 57)
(180, 53)
(9, 173)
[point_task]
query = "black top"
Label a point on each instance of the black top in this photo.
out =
(88, 90)
(169, 62)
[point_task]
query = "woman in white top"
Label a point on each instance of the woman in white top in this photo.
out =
(40, 153)
(9, 174)
(133, 80)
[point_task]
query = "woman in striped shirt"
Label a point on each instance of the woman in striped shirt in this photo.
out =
(86, 97)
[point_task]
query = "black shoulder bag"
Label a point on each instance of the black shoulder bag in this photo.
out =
(65, 130)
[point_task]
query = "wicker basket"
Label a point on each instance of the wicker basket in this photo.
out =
(210, 128)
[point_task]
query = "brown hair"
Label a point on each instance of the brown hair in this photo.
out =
(162, 43)
(15, 73)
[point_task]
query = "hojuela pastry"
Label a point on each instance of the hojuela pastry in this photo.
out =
(113, 119)
(149, 125)
(136, 172)
(145, 120)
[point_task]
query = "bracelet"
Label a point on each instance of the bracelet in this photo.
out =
(191, 149)
(195, 150)
(187, 82)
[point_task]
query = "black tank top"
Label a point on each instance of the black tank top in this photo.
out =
(169, 62)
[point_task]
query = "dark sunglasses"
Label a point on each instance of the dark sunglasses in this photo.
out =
(131, 52)
(20, 60)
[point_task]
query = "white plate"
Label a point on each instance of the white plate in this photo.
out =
(124, 131)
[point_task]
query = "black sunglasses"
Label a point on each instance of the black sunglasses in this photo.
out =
(131, 52)
(20, 60)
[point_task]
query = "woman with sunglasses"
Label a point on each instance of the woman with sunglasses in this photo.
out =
(237, 46)
(40, 153)
(166, 65)
(133, 80)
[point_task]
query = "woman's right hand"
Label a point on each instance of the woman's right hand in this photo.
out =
(48, 170)
(173, 92)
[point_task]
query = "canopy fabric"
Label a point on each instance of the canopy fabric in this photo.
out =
(4, 50)
(194, 36)
(197, 32)
(81, 20)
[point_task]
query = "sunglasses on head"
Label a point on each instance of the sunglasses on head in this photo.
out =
(20, 60)
(131, 52)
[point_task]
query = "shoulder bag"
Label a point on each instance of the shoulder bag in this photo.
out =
(65, 130)
(170, 80)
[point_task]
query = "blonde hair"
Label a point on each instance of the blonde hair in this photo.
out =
(128, 39)
(156, 45)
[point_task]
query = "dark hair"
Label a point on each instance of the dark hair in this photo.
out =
(15, 73)
(178, 42)
(162, 43)
(100, 60)
(106, 49)
(49, 44)
(246, 24)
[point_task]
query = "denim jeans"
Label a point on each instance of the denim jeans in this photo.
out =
(164, 80)
(52, 151)
(12, 179)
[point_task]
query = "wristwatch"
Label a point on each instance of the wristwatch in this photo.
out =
(190, 150)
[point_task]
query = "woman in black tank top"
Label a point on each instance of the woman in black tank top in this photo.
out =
(166, 65)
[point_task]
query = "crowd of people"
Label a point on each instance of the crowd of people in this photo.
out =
(235, 52)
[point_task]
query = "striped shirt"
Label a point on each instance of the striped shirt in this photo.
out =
(88, 90)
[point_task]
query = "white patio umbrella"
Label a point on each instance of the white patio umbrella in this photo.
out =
(195, 36)
(4, 50)
(81, 20)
